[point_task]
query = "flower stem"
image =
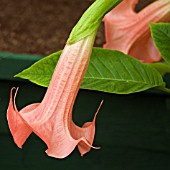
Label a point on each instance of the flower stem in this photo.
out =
(91, 19)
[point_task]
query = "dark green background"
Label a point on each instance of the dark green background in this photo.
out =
(132, 130)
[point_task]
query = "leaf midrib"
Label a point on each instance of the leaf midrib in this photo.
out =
(96, 78)
(124, 80)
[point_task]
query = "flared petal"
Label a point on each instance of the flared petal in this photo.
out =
(129, 32)
(145, 47)
(87, 131)
(19, 129)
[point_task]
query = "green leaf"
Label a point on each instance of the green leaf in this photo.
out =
(41, 72)
(114, 72)
(162, 68)
(161, 36)
(91, 19)
(108, 71)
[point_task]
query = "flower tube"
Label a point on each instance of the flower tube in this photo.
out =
(51, 120)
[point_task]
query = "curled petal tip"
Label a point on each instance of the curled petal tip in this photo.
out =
(83, 150)
(19, 129)
(99, 107)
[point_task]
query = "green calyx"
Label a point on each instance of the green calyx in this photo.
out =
(91, 19)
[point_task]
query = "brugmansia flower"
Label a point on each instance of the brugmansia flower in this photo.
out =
(51, 119)
(129, 32)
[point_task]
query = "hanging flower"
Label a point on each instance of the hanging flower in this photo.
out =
(51, 119)
(129, 32)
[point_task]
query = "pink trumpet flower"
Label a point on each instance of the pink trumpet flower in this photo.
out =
(129, 32)
(51, 119)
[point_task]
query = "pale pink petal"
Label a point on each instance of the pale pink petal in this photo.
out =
(51, 120)
(122, 11)
(87, 131)
(19, 129)
(129, 32)
(145, 47)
